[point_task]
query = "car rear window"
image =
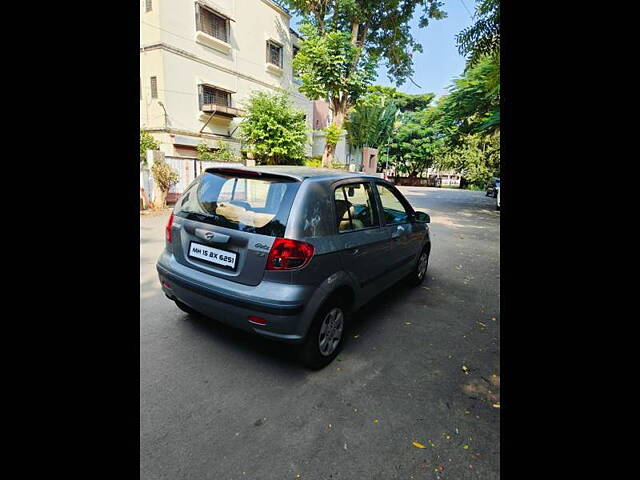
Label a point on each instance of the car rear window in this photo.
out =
(240, 202)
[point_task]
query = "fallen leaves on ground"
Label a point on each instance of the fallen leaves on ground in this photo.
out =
(418, 445)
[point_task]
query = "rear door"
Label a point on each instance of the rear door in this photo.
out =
(227, 220)
(397, 217)
(361, 241)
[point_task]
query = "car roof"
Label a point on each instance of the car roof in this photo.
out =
(297, 173)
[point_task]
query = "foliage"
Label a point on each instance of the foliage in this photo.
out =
(377, 94)
(343, 41)
(147, 142)
(418, 142)
(333, 134)
(483, 37)
(462, 131)
(222, 153)
(313, 162)
(371, 124)
(380, 27)
(165, 177)
(477, 158)
(339, 166)
(473, 106)
(274, 131)
(329, 65)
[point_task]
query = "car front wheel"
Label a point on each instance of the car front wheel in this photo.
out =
(420, 272)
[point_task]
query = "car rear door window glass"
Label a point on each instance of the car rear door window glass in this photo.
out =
(393, 210)
(354, 207)
(245, 204)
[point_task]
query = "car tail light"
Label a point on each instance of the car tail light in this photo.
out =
(288, 254)
(256, 320)
(169, 225)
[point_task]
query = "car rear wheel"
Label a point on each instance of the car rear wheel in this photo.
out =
(185, 308)
(326, 335)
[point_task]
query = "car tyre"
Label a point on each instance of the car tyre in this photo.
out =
(326, 335)
(420, 272)
(185, 308)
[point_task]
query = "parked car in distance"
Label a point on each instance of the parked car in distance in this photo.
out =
(290, 252)
(491, 188)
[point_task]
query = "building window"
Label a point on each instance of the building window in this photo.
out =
(147, 5)
(212, 24)
(209, 95)
(274, 53)
(154, 87)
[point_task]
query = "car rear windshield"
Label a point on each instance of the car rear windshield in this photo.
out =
(241, 202)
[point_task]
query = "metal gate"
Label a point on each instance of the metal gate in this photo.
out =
(188, 169)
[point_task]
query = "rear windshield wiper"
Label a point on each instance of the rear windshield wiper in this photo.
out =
(198, 213)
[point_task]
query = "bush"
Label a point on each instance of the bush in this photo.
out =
(314, 162)
(222, 153)
(147, 142)
(165, 177)
(273, 130)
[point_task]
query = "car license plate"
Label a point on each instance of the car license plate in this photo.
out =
(213, 255)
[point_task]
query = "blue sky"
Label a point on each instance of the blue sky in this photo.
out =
(440, 62)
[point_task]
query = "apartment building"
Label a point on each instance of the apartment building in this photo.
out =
(201, 60)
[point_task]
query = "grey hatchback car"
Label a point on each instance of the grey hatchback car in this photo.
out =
(290, 252)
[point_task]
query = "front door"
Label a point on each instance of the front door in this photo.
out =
(400, 257)
(362, 242)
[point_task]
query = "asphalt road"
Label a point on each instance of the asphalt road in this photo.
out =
(420, 365)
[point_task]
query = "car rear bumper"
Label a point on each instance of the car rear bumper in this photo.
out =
(232, 303)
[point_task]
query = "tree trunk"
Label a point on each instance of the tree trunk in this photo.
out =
(162, 200)
(339, 114)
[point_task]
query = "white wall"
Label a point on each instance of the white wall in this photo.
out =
(319, 141)
(184, 62)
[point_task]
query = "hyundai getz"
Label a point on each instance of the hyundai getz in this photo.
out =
(290, 252)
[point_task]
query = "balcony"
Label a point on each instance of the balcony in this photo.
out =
(221, 110)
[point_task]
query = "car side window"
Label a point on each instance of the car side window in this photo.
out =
(354, 207)
(392, 208)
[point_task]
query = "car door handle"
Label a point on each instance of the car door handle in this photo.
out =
(355, 251)
(396, 233)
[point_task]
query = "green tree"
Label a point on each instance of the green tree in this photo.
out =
(405, 102)
(473, 106)
(371, 124)
(483, 37)
(343, 43)
(273, 130)
(418, 143)
(222, 153)
(476, 158)
(147, 142)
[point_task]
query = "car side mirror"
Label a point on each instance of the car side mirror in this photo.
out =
(423, 217)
